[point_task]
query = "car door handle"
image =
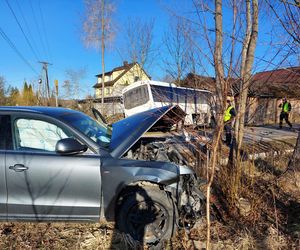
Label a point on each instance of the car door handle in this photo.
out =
(18, 167)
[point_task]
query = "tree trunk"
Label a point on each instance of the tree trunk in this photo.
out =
(221, 90)
(294, 163)
(243, 62)
(246, 77)
(246, 68)
(102, 53)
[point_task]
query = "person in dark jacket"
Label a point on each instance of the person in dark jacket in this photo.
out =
(286, 108)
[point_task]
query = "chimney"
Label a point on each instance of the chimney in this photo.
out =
(125, 63)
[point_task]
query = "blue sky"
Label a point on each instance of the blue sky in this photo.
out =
(53, 28)
(55, 34)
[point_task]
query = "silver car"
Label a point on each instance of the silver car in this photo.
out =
(58, 164)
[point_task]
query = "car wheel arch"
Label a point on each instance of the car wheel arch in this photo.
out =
(131, 188)
(110, 201)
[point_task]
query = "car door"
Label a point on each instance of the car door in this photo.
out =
(5, 138)
(3, 193)
(43, 185)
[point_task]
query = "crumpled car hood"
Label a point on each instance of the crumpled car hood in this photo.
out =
(126, 132)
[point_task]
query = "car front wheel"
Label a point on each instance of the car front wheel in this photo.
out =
(148, 214)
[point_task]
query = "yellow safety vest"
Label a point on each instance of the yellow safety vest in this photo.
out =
(227, 115)
(286, 107)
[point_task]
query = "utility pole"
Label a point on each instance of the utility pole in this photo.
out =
(47, 86)
(102, 53)
(56, 92)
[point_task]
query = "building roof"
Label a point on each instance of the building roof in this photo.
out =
(126, 67)
(276, 83)
(199, 82)
(206, 83)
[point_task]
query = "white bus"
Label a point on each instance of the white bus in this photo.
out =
(144, 95)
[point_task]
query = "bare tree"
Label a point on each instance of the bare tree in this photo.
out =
(221, 90)
(139, 41)
(234, 56)
(71, 85)
(225, 62)
(248, 50)
(288, 14)
(99, 29)
(179, 49)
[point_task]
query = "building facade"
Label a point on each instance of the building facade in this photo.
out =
(118, 78)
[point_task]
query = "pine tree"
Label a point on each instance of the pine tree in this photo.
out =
(14, 97)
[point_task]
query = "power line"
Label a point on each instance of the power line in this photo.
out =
(28, 29)
(12, 45)
(44, 29)
(27, 40)
(38, 28)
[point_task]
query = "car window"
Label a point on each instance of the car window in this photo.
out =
(5, 132)
(33, 134)
(98, 132)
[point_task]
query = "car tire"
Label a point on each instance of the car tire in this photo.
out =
(148, 214)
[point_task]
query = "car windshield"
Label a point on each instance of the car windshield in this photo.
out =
(98, 132)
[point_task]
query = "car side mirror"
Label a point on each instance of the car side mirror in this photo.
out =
(69, 146)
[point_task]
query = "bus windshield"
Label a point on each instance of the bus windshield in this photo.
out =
(136, 97)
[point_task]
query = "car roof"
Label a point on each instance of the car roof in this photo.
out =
(50, 111)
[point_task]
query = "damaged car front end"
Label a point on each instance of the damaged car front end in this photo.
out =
(191, 200)
(153, 198)
(157, 194)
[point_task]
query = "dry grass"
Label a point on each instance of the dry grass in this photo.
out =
(273, 222)
(62, 236)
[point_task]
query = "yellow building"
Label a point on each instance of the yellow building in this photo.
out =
(118, 78)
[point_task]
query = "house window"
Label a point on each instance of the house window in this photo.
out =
(136, 78)
(108, 90)
(99, 92)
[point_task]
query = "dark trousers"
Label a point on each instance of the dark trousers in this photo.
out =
(228, 133)
(285, 116)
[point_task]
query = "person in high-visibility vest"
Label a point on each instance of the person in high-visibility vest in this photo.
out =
(286, 108)
(229, 116)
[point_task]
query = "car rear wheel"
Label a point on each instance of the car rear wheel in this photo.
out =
(148, 215)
